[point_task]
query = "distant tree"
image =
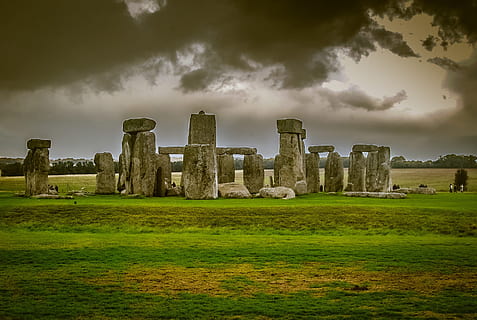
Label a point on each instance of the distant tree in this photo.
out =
(461, 178)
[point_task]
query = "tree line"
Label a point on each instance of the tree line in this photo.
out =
(14, 167)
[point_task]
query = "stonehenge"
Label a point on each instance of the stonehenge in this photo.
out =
(105, 179)
(36, 167)
(209, 171)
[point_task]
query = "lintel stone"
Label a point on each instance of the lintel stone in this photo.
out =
(38, 143)
(138, 125)
(318, 149)
(365, 148)
(236, 150)
(170, 150)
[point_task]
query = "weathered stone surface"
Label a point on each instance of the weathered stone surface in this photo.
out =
(200, 171)
(334, 173)
(277, 165)
(253, 173)
(233, 190)
(383, 183)
(301, 187)
(290, 126)
(38, 143)
(163, 175)
(318, 149)
(312, 161)
(303, 135)
(143, 164)
(357, 172)
(291, 167)
(36, 167)
(124, 181)
(429, 191)
(236, 150)
(225, 168)
(138, 125)
(202, 129)
(277, 193)
(383, 195)
(372, 171)
(105, 178)
(170, 150)
(364, 148)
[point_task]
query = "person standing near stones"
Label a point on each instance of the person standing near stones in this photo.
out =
(451, 188)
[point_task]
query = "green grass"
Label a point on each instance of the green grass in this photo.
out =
(314, 257)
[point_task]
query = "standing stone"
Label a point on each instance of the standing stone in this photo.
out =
(357, 171)
(334, 173)
(36, 167)
(137, 162)
(202, 129)
(312, 172)
(143, 164)
(105, 179)
(277, 165)
(163, 175)
(253, 173)
(225, 168)
(290, 169)
(372, 171)
(384, 170)
(124, 181)
(200, 172)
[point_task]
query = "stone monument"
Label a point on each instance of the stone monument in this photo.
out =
(36, 167)
(105, 179)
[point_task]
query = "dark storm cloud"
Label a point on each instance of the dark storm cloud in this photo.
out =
(445, 63)
(56, 42)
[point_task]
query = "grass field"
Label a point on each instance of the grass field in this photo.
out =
(314, 257)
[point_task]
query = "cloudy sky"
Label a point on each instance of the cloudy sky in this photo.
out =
(396, 73)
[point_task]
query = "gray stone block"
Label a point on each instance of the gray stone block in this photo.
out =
(364, 148)
(38, 143)
(138, 125)
(290, 126)
(318, 149)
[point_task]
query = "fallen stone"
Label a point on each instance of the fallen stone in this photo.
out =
(38, 143)
(277, 193)
(138, 125)
(50, 196)
(319, 149)
(233, 190)
(382, 195)
(301, 187)
(289, 126)
(429, 191)
(365, 148)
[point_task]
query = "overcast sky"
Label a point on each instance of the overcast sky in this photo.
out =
(395, 73)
